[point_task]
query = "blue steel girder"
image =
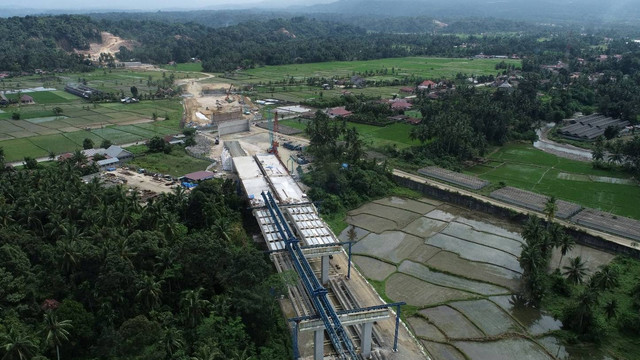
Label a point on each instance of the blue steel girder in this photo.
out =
(318, 293)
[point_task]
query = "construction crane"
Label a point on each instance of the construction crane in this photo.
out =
(227, 99)
(273, 129)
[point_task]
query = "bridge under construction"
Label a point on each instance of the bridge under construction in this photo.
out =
(332, 311)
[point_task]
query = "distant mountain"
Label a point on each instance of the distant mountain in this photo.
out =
(543, 10)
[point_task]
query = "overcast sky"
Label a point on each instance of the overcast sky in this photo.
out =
(155, 4)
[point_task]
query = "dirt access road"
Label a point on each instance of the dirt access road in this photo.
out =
(110, 45)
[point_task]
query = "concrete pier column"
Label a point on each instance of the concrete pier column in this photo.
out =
(324, 278)
(318, 345)
(366, 339)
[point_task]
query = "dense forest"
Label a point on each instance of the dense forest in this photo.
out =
(89, 272)
(46, 42)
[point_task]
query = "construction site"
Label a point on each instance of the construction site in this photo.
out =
(332, 310)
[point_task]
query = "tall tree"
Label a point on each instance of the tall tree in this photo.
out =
(56, 331)
(576, 270)
(18, 345)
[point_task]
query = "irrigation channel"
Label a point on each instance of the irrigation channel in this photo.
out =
(460, 270)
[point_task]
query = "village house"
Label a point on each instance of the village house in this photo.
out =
(26, 99)
(338, 112)
(427, 85)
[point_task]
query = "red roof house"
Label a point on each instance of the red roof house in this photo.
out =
(339, 111)
(427, 85)
(400, 105)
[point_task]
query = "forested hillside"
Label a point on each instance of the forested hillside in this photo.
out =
(88, 271)
(46, 42)
(31, 42)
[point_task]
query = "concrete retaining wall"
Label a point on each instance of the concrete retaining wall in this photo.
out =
(232, 127)
(472, 203)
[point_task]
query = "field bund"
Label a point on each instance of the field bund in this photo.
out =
(458, 271)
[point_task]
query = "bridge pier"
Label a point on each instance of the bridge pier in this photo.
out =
(324, 278)
(318, 344)
(366, 339)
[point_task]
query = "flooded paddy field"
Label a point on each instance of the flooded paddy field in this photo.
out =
(460, 269)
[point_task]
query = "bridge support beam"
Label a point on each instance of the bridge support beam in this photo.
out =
(366, 339)
(318, 344)
(324, 278)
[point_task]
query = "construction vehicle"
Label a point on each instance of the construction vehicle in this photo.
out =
(228, 99)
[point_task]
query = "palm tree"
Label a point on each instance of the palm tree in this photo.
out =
(69, 254)
(193, 306)
(150, 292)
(173, 340)
(207, 352)
(550, 208)
(566, 243)
(606, 278)
(17, 345)
(611, 309)
(56, 331)
(576, 270)
(584, 311)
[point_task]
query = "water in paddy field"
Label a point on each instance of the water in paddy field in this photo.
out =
(461, 269)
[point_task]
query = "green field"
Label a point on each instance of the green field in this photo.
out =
(177, 163)
(525, 167)
(184, 67)
(40, 132)
(373, 136)
(433, 68)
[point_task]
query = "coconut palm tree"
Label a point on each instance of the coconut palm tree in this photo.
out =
(611, 309)
(56, 330)
(193, 306)
(584, 310)
(576, 270)
(207, 352)
(173, 340)
(565, 243)
(69, 253)
(150, 292)
(606, 278)
(17, 345)
(550, 208)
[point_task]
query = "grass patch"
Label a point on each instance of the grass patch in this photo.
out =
(336, 221)
(525, 167)
(184, 67)
(418, 66)
(177, 163)
(373, 136)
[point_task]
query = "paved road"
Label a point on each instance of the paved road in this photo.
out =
(562, 150)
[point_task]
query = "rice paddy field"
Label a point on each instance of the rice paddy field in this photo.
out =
(40, 130)
(387, 70)
(458, 272)
(525, 167)
(425, 67)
